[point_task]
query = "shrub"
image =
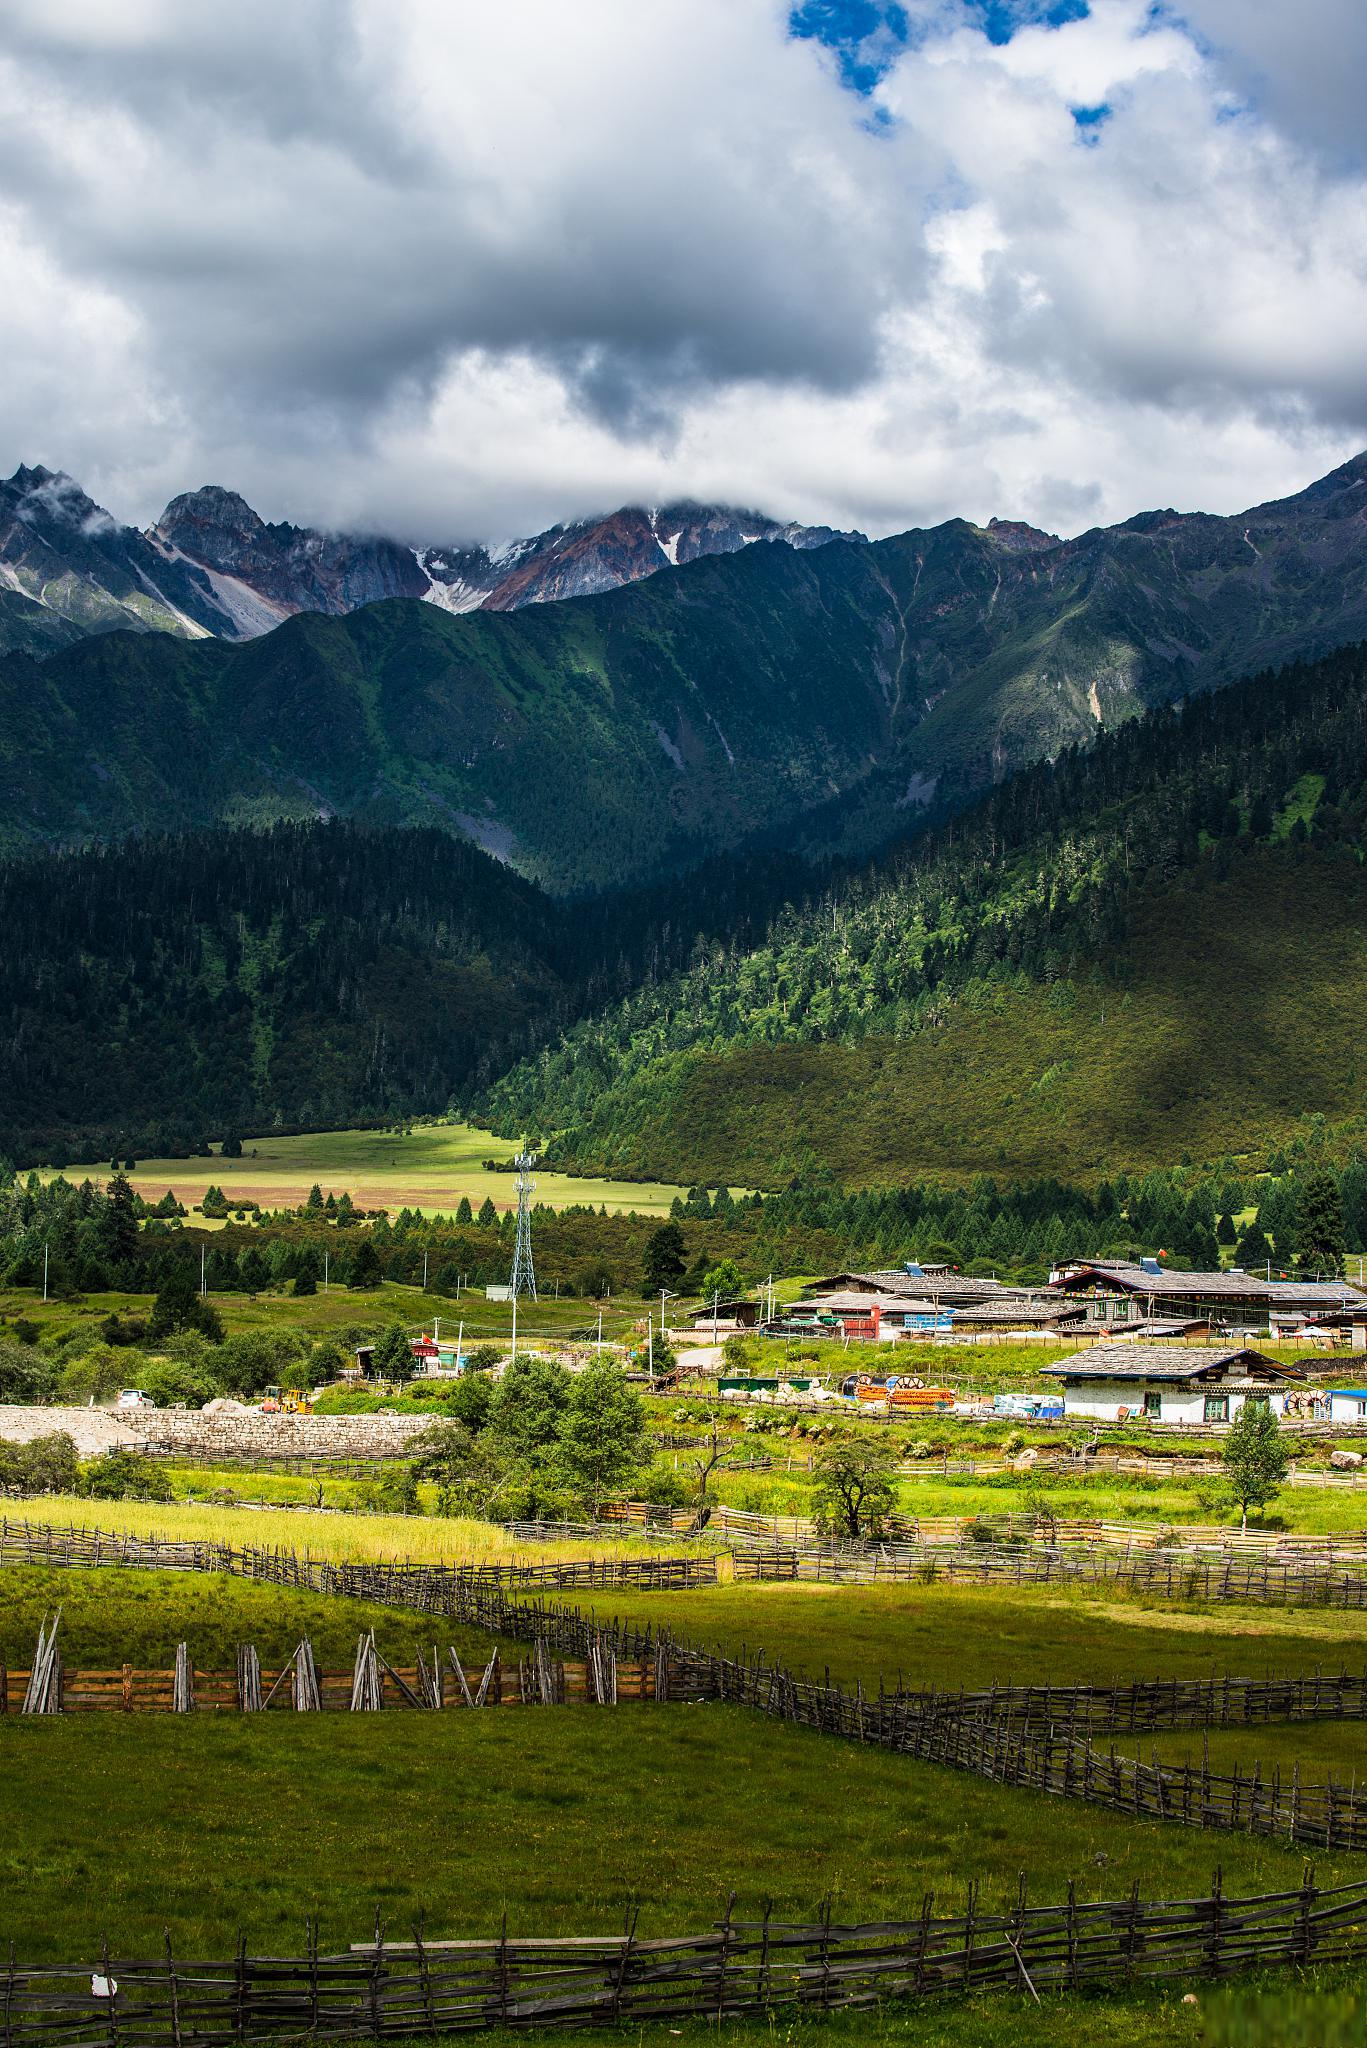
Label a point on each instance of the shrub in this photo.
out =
(665, 1487)
(26, 1376)
(124, 1475)
(46, 1464)
(397, 1492)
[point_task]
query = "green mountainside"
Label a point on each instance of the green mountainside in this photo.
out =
(169, 988)
(153, 993)
(825, 698)
(1154, 948)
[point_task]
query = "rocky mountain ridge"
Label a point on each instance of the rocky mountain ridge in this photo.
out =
(823, 697)
(212, 565)
(67, 569)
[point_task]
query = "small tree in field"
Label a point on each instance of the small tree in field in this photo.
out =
(602, 1444)
(854, 1494)
(1255, 1457)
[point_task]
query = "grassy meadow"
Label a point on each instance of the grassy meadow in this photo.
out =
(939, 1635)
(427, 1167)
(569, 1820)
(340, 1310)
(417, 1539)
(563, 1818)
(111, 1617)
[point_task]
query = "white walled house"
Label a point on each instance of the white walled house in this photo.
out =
(1170, 1383)
(1348, 1404)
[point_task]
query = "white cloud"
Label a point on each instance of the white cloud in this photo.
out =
(459, 271)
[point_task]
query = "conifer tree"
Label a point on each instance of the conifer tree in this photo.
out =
(1319, 1235)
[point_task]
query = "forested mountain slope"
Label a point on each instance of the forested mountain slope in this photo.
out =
(155, 993)
(1153, 948)
(824, 697)
(167, 989)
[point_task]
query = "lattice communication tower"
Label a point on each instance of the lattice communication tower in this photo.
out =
(524, 1271)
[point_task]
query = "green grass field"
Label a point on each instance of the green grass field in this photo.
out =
(563, 1818)
(121, 1826)
(325, 1315)
(939, 1635)
(428, 1168)
(111, 1617)
(1286, 2010)
(1149, 1502)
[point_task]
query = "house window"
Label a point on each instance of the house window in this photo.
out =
(1257, 1401)
(1153, 1404)
(1217, 1407)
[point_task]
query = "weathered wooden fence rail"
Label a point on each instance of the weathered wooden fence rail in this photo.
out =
(424, 1989)
(301, 1685)
(407, 1585)
(1147, 1705)
(1011, 1747)
(1166, 1574)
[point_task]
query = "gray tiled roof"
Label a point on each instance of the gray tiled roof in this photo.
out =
(1018, 1309)
(944, 1287)
(1320, 1293)
(1157, 1362)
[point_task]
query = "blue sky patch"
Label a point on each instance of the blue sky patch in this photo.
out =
(867, 36)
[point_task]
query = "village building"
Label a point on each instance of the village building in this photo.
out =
(1019, 1312)
(1341, 1325)
(924, 1301)
(937, 1284)
(1169, 1383)
(862, 1318)
(725, 1317)
(1114, 1293)
(1347, 1404)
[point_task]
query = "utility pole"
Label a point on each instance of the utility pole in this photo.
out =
(325, 1272)
(46, 1249)
(424, 1272)
(514, 1357)
(650, 1343)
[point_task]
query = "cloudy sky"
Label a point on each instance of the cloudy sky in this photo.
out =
(455, 270)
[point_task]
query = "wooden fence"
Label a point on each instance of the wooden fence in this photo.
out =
(23, 1542)
(300, 1685)
(1161, 1574)
(1039, 1752)
(425, 1989)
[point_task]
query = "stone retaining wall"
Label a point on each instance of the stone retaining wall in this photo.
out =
(295, 1436)
(92, 1430)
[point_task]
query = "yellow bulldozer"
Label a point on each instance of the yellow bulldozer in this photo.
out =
(290, 1401)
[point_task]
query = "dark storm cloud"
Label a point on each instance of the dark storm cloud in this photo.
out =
(455, 269)
(301, 201)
